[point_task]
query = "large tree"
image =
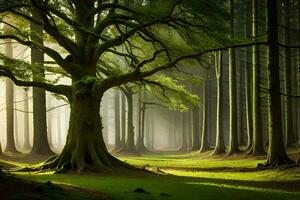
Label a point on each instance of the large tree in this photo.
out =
(104, 30)
(276, 153)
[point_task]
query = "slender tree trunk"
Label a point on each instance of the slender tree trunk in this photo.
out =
(248, 79)
(184, 140)
(258, 148)
(249, 119)
(117, 120)
(204, 136)
(276, 153)
(289, 133)
(27, 145)
(233, 136)
(219, 147)
(141, 140)
(196, 130)
(123, 119)
(40, 139)
(10, 139)
(129, 147)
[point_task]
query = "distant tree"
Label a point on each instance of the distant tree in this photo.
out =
(27, 145)
(40, 138)
(117, 120)
(219, 146)
(9, 93)
(257, 142)
(233, 135)
(204, 132)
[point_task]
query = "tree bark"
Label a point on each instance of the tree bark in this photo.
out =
(85, 149)
(9, 93)
(27, 145)
(204, 135)
(257, 148)
(233, 136)
(129, 147)
(196, 130)
(289, 132)
(123, 119)
(276, 153)
(40, 139)
(117, 120)
(220, 146)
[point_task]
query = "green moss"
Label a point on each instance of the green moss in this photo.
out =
(122, 187)
(196, 177)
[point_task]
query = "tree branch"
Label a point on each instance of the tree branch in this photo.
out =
(58, 89)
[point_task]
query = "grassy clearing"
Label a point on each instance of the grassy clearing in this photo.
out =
(193, 179)
(192, 161)
(160, 187)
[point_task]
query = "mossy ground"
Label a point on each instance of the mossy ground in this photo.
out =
(188, 176)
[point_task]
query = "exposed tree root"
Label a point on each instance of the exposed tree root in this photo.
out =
(79, 161)
(218, 151)
(276, 163)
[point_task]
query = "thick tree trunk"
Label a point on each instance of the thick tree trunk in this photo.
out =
(276, 153)
(85, 149)
(220, 146)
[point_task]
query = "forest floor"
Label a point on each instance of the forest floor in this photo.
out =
(180, 176)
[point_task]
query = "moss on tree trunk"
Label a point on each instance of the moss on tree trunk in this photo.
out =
(85, 149)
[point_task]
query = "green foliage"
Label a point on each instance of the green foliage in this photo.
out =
(174, 94)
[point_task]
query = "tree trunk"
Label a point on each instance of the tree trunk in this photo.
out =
(40, 139)
(249, 119)
(257, 148)
(289, 133)
(184, 140)
(248, 79)
(204, 136)
(27, 145)
(140, 145)
(129, 147)
(196, 130)
(233, 137)
(85, 149)
(10, 139)
(220, 146)
(123, 119)
(276, 153)
(117, 120)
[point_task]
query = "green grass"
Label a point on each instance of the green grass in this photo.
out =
(191, 161)
(190, 182)
(180, 188)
